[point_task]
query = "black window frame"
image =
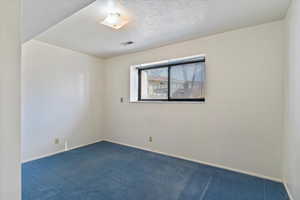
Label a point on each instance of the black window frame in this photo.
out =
(169, 66)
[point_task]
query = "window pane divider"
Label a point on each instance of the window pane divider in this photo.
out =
(169, 81)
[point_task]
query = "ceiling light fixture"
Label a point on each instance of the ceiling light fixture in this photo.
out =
(114, 20)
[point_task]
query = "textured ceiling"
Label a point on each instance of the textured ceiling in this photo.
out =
(154, 23)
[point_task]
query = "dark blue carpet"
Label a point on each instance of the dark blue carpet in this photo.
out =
(107, 171)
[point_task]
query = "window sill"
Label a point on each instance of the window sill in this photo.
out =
(169, 102)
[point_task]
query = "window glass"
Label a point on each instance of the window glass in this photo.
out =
(187, 81)
(154, 83)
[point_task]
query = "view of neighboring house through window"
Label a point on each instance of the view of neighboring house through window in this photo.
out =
(154, 83)
(177, 82)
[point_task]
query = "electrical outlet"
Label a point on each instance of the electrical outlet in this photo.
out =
(150, 139)
(121, 99)
(56, 141)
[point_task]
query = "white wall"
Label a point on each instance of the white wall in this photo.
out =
(10, 56)
(61, 98)
(240, 125)
(292, 125)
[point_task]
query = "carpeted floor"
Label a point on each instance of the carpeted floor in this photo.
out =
(107, 171)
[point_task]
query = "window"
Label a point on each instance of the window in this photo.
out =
(177, 81)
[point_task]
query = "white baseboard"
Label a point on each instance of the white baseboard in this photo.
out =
(60, 151)
(201, 162)
(288, 190)
(83, 145)
(42, 156)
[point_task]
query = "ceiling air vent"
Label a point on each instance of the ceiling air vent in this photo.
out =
(127, 43)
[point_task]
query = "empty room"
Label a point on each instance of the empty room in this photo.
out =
(149, 100)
